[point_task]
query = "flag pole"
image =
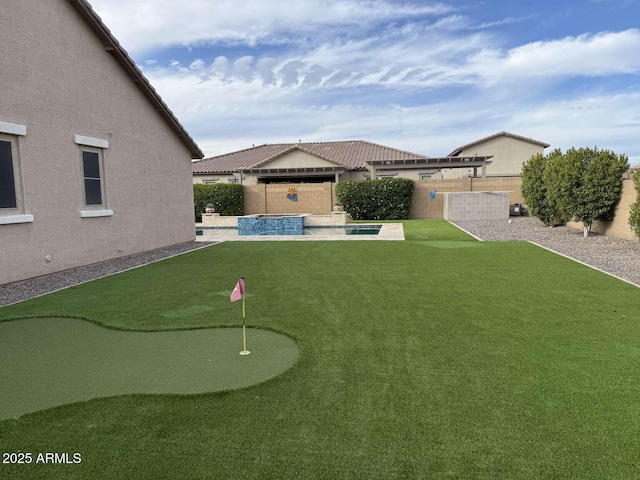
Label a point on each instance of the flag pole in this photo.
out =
(244, 330)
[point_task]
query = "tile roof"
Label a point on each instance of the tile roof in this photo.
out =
(112, 46)
(350, 154)
(457, 151)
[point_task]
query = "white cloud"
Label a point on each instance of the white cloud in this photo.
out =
(141, 24)
(586, 55)
(227, 116)
(449, 61)
(197, 64)
(336, 77)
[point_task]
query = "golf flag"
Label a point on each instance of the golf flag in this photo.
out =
(238, 291)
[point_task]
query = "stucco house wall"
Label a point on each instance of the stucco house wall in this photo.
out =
(60, 83)
(508, 156)
(298, 159)
(216, 178)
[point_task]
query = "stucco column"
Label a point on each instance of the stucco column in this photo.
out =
(484, 169)
(372, 170)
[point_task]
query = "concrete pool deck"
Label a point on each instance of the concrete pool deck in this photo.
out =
(389, 231)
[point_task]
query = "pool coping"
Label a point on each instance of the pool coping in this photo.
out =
(389, 231)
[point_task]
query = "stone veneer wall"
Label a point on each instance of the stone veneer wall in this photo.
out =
(266, 225)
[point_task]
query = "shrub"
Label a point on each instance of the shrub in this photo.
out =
(634, 217)
(562, 177)
(227, 198)
(601, 186)
(384, 199)
(534, 188)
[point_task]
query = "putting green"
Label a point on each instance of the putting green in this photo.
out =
(47, 362)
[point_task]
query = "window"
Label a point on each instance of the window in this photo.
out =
(7, 179)
(425, 176)
(210, 181)
(11, 199)
(92, 156)
(92, 183)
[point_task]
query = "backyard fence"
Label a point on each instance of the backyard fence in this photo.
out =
(427, 203)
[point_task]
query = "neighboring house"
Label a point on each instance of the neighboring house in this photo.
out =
(93, 165)
(324, 162)
(509, 152)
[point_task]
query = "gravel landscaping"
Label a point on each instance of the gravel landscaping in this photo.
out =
(16, 292)
(616, 256)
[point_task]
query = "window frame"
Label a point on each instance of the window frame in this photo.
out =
(11, 183)
(98, 147)
(88, 176)
(11, 134)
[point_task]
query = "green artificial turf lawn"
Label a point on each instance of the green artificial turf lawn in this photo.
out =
(417, 360)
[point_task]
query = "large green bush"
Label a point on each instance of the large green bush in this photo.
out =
(634, 217)
(601, 186)
(563, 177)
(227, 198)
(384, 199)
(582, 185)
(534, 189)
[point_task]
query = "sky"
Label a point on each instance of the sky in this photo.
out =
(418, 75)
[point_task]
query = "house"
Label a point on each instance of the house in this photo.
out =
(509, 152)
(325, 162)
(93, 164)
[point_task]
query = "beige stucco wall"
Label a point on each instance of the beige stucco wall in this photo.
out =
(422, 207)
(217, 178)
(317, 198)
(59, 81)
(508, 156)
(463, 206)
(354, 175)
(298, 159)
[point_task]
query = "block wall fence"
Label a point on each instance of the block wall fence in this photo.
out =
(319, 199)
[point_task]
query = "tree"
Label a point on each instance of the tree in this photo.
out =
(601, 186)
(634, 217)
(583, 185)
(562, 177)
(534, 189)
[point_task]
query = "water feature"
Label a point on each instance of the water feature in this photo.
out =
(351, 229)
(271, 225)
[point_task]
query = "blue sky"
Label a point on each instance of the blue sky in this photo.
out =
(422, 76)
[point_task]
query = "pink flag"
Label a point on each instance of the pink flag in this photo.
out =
(238, 291)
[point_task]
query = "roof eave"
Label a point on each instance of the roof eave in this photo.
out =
(113, 46)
